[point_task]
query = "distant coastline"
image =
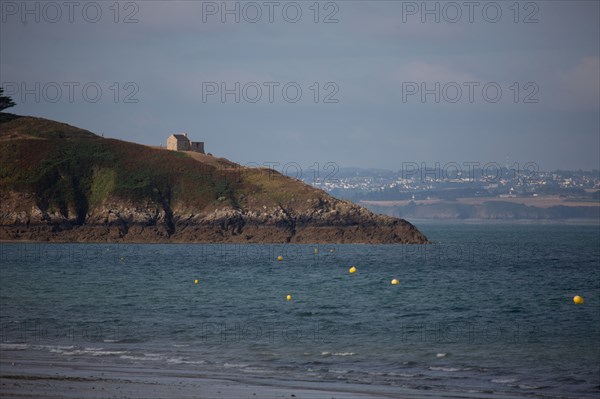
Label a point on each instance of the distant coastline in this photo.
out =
(552, 209)
(510, 194)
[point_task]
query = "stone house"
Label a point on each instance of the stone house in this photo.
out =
(181, 142)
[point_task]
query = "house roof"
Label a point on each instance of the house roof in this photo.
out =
(180, 137)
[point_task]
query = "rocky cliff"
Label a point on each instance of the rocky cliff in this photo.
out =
(61, 183)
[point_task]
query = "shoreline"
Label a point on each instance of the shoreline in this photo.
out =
(48, 379)
(413, 221)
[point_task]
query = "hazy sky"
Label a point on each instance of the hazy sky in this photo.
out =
(381, 82)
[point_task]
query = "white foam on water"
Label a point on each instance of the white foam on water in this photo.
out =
(403, 375)
(70, 351)
(447, 369)
(53, 348)
(255, 370)
(106, 353)
(503, 380)
(525, 386)
(179, 360)
(337, 353)
(59, 350)
(144, 357)
(441, 354)
(235, 365)
(339, 371)
(14, 347)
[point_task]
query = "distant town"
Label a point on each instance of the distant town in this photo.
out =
(495, 194)
(453, 183)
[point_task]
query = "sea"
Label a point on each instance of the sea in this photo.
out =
(484, 308)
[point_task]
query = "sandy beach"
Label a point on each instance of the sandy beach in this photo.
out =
(42, 379)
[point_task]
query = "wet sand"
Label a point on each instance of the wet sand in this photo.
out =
(63, 381)
(42, 379)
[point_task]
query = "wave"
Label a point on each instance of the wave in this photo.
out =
(88, 351)
(143, 357)
(526, 386)
(339, 371)
(447, 369)
(403, 375)
(326, 354)
(235, 365)
(14, 347)
(180, 360)
(56, 347)
(256, 370)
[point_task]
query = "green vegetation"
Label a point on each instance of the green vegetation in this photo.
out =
(72, 170)
(103, 184)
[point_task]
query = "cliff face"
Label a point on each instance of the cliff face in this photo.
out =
(330, 221)
(60, 183)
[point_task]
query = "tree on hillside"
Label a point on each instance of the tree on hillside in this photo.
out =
(5, 101)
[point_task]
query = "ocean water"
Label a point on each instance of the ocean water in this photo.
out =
(485, 308)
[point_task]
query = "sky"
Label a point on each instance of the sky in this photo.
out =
(371, 84)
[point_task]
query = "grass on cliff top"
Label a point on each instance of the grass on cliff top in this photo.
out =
(72, 170)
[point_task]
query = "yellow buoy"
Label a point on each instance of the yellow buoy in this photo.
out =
(289, 297)
(280, 258)
(352, 269)
(395, 281)
(196, 281)
(332, 250)
(578, 300)
(316, 250)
